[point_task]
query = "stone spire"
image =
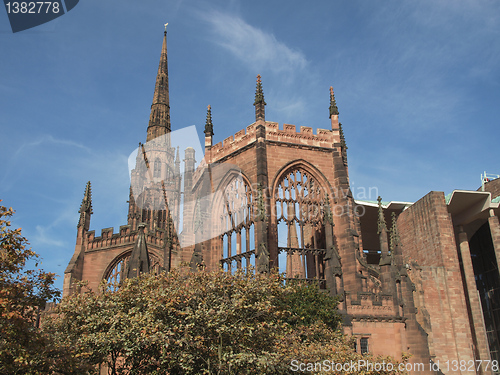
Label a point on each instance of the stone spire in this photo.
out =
(333, 105)
(385, 259)
(133, 214)
(159, 119)
(382, 226)
(394, 233)
(343, 145)
(85, 209)
(139, 259)
(342, 137)
(395, 246)
(209, 127)
(260, 110)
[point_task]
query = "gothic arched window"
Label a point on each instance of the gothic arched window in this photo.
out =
(117, 270)
(299, 216)
(236, 220)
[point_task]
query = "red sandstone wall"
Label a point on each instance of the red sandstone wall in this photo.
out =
(101, 251)
(428, 239)
(282, 147)
(493, 187)
(384, 338)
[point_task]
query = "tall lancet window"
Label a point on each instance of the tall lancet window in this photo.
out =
(299, 216)
(236, 220)
(157, 168)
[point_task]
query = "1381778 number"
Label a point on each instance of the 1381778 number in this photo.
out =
(33, 7)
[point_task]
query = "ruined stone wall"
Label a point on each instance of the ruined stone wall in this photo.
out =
(101, 252)
(430, 250)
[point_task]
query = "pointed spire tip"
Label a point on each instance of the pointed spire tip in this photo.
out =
(209, 127)
(333, 105)
(259, 96)
(381, 218)
(159, 118)
(86, 207)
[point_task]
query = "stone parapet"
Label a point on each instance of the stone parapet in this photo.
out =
(125, 236)
(288, 134)
(375, 306)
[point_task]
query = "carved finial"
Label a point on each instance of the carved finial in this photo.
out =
(333, 105)
(342, 137)
(86, 208)
(260, 112)
(394, 236)
(209, 127)
(259, 93)
(343, 145)
(169, 226)
(166, 28)
(381, 219)
(139, 261)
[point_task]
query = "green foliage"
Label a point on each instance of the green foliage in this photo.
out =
(198, 323)
(173, 323)
(24, 349)
(308, 304)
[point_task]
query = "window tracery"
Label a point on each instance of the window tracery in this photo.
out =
(299, 200)
(118, 271)
(236, 220)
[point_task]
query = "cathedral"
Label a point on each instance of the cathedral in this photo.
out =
(419, 278)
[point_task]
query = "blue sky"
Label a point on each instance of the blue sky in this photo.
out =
(417, 84)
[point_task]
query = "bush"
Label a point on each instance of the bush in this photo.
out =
(201, 323)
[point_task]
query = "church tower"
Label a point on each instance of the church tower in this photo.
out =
(148, 243)
(155, 180)
(159, 119)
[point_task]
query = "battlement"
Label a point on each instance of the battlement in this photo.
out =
(306, 136)
(125, 236)
(367, 303)
(241, 139)
(288, 134)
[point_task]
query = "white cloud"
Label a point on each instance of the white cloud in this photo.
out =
(49, 139)
(255, 47)
(44, 237)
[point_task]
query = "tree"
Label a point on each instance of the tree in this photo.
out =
(308, 304)
(24, 349)
(199, 323)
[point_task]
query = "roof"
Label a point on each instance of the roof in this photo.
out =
(467, 205)
(389, 205)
